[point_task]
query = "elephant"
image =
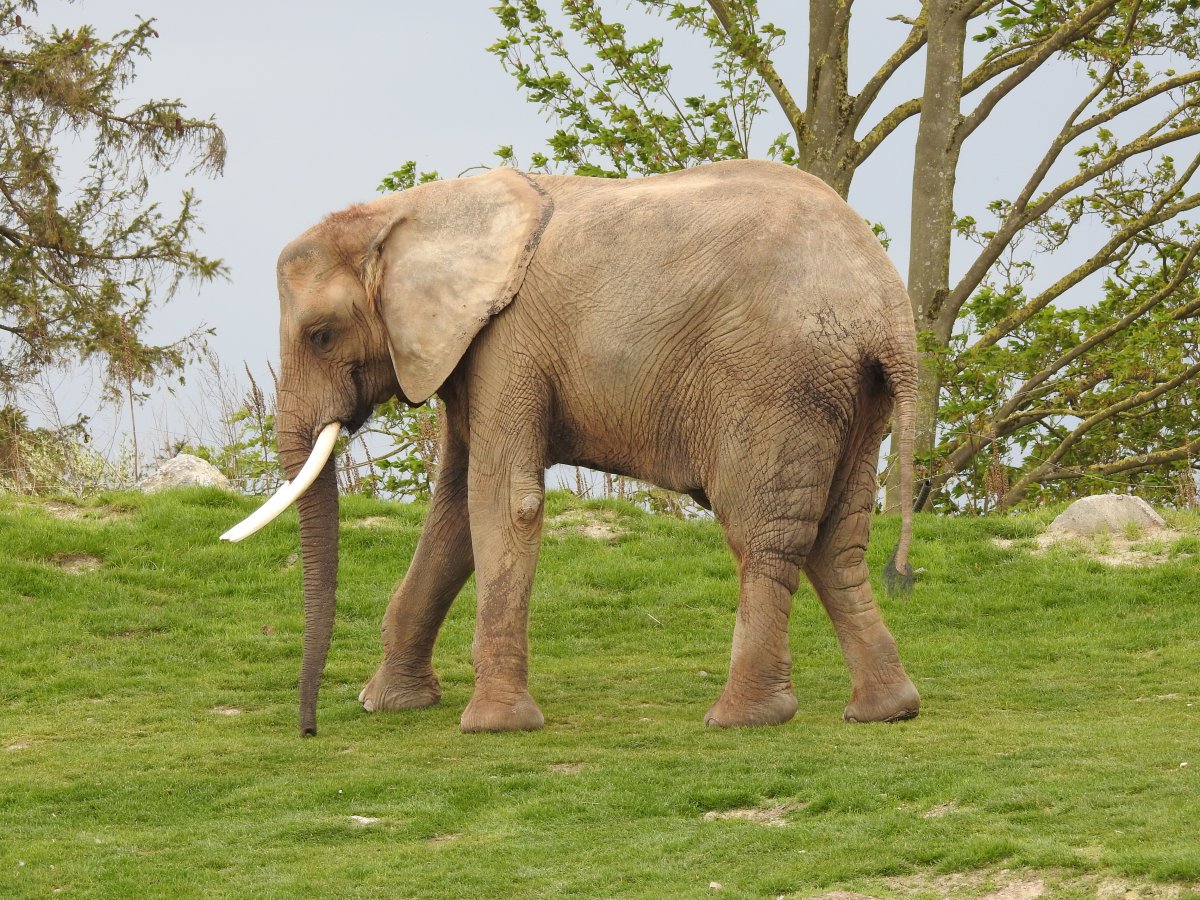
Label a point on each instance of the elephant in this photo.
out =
(734, 332)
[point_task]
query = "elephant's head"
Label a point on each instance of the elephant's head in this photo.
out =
(377, 301)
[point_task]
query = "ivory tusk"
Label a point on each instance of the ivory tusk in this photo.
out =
(289, 491)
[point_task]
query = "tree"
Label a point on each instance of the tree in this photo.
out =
(1030, 390)
(85, 263)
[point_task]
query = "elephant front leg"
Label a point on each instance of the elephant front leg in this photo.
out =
(440, 566)
(506, 528)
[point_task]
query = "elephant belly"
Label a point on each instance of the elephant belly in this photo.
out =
(617, 442)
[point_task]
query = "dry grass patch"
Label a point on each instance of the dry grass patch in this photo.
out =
(373, 522)
(772, 817)
(597, 524)
(1150, 549)
(942, 809)
(60, 510)
(1008, 884)
(76, 563)
(69, 512)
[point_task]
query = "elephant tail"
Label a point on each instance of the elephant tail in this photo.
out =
(898, 576)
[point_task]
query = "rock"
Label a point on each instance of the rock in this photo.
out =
(1107, 512)
(184, 470)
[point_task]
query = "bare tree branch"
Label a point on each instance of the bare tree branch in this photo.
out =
(917, 36)
(1066, 34)
(1182, 271)
(1036, 474)
(1133, 463)
(1020, 216)
(1098, 260)
(747, 46)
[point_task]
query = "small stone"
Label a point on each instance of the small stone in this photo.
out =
(184, 470)
(714, 885)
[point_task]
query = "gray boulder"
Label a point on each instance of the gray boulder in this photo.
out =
(1107, 513)
(184, 470)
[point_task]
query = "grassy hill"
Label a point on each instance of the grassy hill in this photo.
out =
(148, 741)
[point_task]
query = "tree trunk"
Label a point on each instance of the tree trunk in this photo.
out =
(824, 142)
(934, 170)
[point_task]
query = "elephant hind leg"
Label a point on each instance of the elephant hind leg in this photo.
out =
(881, 689)
(759, 689)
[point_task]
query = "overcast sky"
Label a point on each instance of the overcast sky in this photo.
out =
(318, 101)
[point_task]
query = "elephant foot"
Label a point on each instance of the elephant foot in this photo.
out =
(510, 712)
(884, 703)
(389, 689)
(732, 711)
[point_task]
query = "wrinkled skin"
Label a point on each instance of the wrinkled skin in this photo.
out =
(733, 332)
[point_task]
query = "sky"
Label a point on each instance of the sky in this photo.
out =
(319, 101)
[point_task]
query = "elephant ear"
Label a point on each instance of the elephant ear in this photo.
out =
(451, 258)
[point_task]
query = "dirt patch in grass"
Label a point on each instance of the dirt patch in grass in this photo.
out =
(597, 524)
(1014, 885)
(15, 746)
(69, 512)
(62, 510)
(1150, 549)
(1113, 888)
(226, 711)
(76, 563)
(372, 522)
(1025, 889)
(567, 768)
(942, 809)
(773, 816)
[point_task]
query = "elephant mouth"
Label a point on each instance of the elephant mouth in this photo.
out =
(363, 408)
(358, 418)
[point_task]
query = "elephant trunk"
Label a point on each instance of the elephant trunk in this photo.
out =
(313, 489)
(318, 508)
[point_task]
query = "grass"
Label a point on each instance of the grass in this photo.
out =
(148, 742)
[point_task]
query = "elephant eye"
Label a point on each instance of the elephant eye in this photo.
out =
(322, 338)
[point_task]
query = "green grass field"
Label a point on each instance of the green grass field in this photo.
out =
(148, 739)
